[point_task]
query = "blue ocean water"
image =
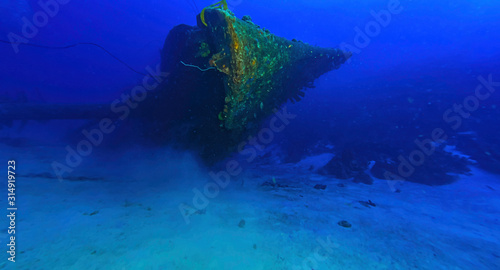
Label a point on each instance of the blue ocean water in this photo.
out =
(390, 161)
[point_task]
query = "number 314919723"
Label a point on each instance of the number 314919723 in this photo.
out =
(11, 174)
(11, 170)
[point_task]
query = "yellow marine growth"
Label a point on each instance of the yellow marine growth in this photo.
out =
(253, 60)
(260, 71)
(221, 4)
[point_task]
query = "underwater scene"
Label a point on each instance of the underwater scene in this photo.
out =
(250, 135)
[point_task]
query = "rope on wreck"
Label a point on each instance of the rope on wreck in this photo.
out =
(201, 69)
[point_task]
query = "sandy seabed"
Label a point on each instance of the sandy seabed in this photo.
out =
(124, 213)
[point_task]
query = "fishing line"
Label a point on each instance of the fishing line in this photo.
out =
(192, 4)
(196, 6)
(201, 69)
(74, 45)
(192, 7)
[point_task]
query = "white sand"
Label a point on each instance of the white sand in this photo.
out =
(139, 226)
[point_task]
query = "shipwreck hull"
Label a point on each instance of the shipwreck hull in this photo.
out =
(227, 75)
